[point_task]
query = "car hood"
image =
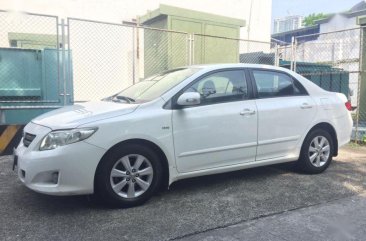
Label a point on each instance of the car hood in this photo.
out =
(80, 114)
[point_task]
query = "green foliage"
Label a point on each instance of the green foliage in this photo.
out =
(311, 18)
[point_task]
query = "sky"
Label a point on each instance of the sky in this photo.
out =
(282, 8)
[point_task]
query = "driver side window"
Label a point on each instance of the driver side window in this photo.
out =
(221, 87)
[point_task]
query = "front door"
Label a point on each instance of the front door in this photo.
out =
(222, 129)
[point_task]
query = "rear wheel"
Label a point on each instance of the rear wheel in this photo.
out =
(128, 176)
(316, 152)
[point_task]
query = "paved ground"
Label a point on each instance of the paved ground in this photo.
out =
(256, 204)
(341, 220)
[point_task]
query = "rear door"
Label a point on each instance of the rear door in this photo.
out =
(285, 111)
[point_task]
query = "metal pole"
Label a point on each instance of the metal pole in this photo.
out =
(69, 64)
(359, 84)
(292, 53)
(63, 57)
(277, 57)
(133, 55)
(138, 49)
(58, 55)
(295, 52)
(189, 49)
(192, 48)
(2, 117)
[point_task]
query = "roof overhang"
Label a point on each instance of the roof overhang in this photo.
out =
(166, 10)
(361, 20)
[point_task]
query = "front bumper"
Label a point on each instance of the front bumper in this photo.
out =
(67, 170)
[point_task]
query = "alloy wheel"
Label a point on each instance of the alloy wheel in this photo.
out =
(131, 176)
(319, 151)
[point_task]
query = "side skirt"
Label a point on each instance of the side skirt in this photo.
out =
(223, 169)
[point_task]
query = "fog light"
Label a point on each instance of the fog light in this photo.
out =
(54, 178)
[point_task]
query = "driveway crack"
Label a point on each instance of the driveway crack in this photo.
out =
(260, 217)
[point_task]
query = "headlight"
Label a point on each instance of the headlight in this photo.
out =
(55, 139)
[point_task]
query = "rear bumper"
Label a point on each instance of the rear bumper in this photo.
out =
(343, 127)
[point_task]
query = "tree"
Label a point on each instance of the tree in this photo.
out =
(311, 18)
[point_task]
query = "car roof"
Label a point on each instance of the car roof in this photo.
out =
(237, 65)
(205, 68)
(310, 86)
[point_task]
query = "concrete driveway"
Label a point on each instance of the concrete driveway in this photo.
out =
(190, 209)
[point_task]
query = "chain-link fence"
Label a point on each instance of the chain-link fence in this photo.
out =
(332, 61)
(109, 57)
(29, 58)
(46, 62)
(101, 58)
(29, 65)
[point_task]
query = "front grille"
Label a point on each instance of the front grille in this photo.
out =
(27, 139)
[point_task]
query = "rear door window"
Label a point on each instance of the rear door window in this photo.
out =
(275, 84)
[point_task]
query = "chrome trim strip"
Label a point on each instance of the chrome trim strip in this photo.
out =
(279, 140)
(217, 149)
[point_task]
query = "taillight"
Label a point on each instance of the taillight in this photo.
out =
(348, 105)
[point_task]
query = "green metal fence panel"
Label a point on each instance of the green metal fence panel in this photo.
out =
(29, 83)
(325, 76)
(20, 73)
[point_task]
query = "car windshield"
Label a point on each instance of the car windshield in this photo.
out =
(153, 87)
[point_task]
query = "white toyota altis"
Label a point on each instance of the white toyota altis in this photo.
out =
(182, 123)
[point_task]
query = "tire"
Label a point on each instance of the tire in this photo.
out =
(313, 158)
(128, 186)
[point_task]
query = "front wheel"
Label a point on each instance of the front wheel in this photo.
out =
(316, 152)
(128, 176)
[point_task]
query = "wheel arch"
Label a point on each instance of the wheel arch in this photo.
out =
(331, 130)
(143, 142)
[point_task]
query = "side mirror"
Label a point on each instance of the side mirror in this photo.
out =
(189, 98)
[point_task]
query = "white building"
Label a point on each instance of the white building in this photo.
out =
(342, 20)
(287, 23)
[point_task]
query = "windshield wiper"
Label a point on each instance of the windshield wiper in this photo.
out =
(118, 98)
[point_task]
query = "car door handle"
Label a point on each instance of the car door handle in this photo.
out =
(306, 106)
(247, 112)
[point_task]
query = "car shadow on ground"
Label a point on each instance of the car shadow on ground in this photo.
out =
(187, 186)
(340, 175)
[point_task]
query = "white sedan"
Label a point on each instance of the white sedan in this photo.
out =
(183, 123)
